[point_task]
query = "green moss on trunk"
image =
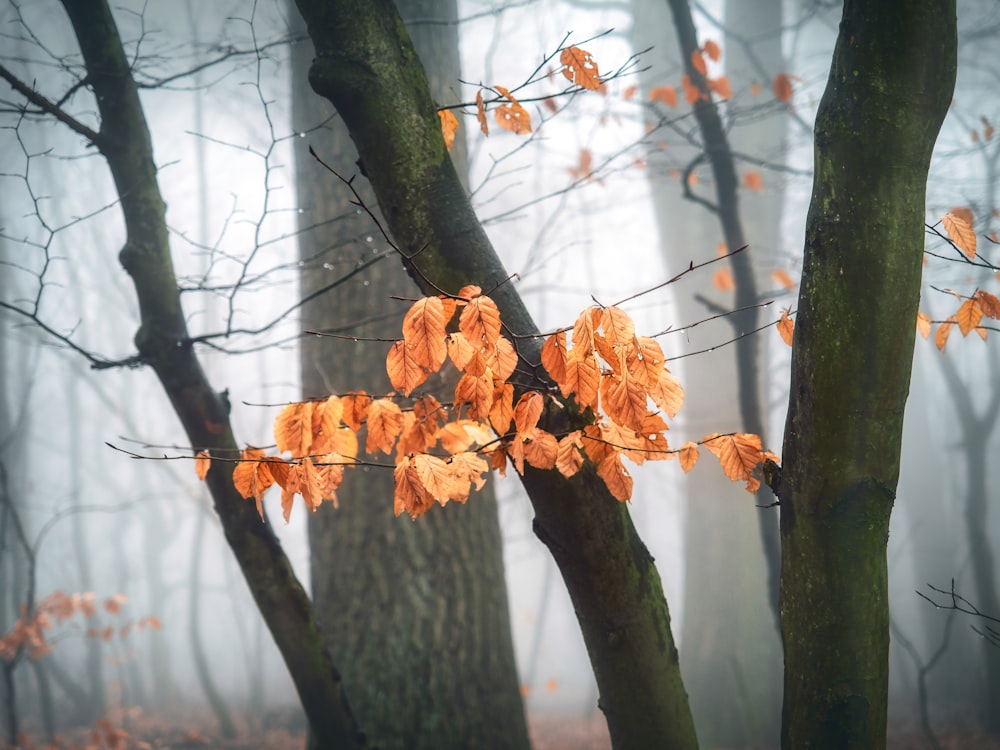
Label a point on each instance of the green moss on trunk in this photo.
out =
(892, 78)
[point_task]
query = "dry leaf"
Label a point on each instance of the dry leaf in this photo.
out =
(481, 113)
(449, 124)
(580, 67)
(960, 232)
(202, 463)
(665, 94)
(786, 327)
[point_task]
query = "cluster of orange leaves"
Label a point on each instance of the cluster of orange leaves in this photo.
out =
(580, 68)
(958, 224)
(442, 452)
(29, 631)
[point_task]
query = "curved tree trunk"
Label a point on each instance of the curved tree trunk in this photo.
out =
(164, 344)
(368, 69)
(415, 614)
(892, 79)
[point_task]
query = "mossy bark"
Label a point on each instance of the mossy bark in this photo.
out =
(164, 345)
(890, 85)
(365, 65)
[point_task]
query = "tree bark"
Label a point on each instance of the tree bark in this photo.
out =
(415, 614)
(889, 88)
(367, 68)
(163, 343)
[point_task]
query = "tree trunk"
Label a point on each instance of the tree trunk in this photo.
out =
(975, 443)
(164, 344)
(421, 626)
(892, 79)
(368, 69)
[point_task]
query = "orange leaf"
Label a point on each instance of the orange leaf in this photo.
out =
(114, 604)
(968, 316)
(712, 50)
(580, 68)
(569, 459)
(698, 62)
(783, 87)
(989, 303)
(293, 429)
(723, 280)
(780, 276)
(541, 449)
(665, 94)
(629, 92)
(326, 424)
(752, 181)
(480, 321)
(582, 378)
(721, 87)
(755, 88)
(460, 351)
(502, 411)
(964, 213)
(501, 358)
(650, 359)
(477, 392)
(554, 356)
(449, 124)
(410, 494)
(624, 400)
(202, 463)
(385, 421)
(786, 327)
(944, 330)
(739, 454)
(513, 116)
(424, 330)
(403, 368)
(252, 476)
(527, 413)
(960, 232)
(688, 455)
(583, 170)
(691, 92)
(481, 113)
(355, 408)
(923, 324)
(667, 394)
(616, 477)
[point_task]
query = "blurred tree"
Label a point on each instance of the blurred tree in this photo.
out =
(408, 659)
(730, 652)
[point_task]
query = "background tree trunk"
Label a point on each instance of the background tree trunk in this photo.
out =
(730, 650)
(851, 364)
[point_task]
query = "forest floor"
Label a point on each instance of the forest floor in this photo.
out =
(140, 730)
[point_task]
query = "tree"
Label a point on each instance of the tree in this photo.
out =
(366, 67)
(408, 659)
(163, 344)
(731, 650)
(851, 364)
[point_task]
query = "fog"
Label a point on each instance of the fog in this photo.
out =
(100, 492)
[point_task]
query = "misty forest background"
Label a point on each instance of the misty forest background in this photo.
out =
(590, 206)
